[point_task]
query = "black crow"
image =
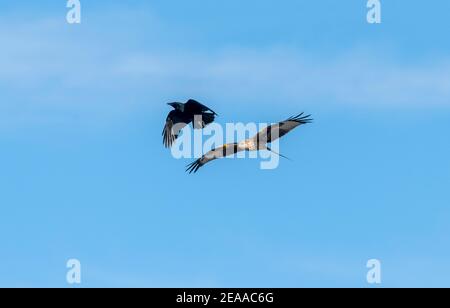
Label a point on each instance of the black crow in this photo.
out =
(182, 115)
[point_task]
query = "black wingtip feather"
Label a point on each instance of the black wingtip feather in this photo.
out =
(193, 167)
(301, 119)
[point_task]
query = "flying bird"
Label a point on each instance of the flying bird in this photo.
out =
(257, 143)
(182, 115)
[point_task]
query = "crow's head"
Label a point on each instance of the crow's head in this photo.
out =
(177, 106)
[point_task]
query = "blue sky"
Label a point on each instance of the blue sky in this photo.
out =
(84, 174)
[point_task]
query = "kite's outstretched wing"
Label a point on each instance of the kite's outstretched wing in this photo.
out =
(275, 131)
(220, 152)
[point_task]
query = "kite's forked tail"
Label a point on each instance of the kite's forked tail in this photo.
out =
(281, 155)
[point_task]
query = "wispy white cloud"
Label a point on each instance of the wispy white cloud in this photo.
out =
(282, 75)
(47, 65)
